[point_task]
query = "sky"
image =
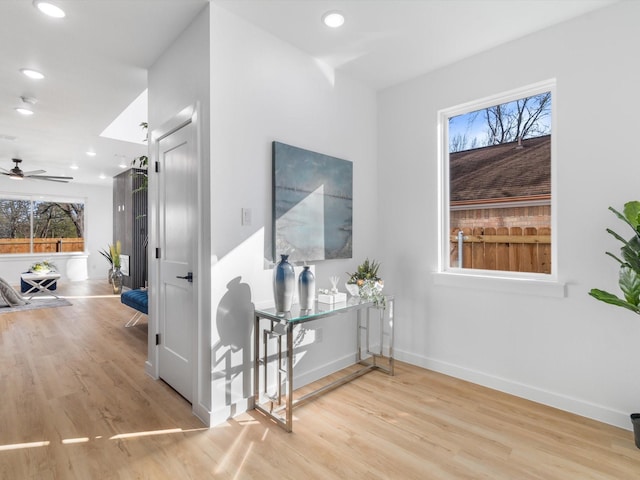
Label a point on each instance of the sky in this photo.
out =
(473, 125)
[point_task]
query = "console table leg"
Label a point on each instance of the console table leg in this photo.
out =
(359, 329)
(390, 306)
(289, 419)
(279, 369)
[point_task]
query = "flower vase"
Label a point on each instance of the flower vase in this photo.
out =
(116, 281)
(109, 273)
(306, 288)
(283, 284)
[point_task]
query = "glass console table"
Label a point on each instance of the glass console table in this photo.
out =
(271, 325)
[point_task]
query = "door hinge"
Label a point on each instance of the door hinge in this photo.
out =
(158, 252)
(157, 339)
(157, 167)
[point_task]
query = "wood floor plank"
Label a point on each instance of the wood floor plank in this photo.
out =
(77, 404)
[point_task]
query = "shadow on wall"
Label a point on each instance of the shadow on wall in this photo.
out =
(232, 353)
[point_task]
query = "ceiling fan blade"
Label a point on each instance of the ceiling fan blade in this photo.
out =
(51, 178)
(34, 172)
(5, 171)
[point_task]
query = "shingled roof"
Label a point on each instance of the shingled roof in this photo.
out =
(502, 172)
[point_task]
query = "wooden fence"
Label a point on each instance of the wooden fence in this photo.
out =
(515, 249)
(41, 245)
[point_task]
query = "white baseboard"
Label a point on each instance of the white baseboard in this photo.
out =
(300, 380)
(150, 370)
(202, 413)
(223, 414)
(545, 397)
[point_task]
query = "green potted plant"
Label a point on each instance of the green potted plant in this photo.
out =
(141, 164)
(107, 255)
(628, 277)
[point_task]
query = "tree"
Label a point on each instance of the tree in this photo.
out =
(75, 212)
(460, 142)
(504, 123)
(517, 120)
(15, 218)
(54, 220)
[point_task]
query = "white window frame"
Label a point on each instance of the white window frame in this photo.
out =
(512, 282)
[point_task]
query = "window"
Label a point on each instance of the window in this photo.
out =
(40, 226)
(497, 201)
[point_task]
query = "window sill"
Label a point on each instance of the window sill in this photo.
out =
(483, 281)
(31, 256)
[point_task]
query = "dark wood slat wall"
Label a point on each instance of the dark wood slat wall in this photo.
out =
(130, 224)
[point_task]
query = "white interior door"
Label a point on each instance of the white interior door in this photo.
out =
(177, 226)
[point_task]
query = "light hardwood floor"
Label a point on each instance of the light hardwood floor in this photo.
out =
(75, 403)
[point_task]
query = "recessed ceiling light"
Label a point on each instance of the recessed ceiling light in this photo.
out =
(333, 19)
(91, 154)
(49, 8)
(123, 165)
(102, 176)
(32, 73)
(27, 105)
(24, 111)
(74, 167)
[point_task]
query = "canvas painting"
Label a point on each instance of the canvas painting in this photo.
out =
(312, 205)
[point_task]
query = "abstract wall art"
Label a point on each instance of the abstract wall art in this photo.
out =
(312, 205)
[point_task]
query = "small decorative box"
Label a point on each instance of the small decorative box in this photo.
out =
(332, 298)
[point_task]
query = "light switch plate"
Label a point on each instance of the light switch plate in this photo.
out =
(246, 216)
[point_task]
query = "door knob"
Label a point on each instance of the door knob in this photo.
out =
(188, 277)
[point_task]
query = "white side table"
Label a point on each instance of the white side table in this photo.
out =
(39, 283)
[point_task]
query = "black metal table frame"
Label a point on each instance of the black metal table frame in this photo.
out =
(282, 324)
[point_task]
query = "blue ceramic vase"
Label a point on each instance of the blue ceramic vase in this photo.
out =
(306, 288)
(284, 279)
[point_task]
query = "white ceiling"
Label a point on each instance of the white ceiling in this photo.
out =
(95, 59)
(95, 62)
(385, 42)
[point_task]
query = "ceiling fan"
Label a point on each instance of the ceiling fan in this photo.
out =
(16, 173)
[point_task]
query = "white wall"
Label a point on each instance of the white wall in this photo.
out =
(98, 230)
(180, 79)
(263, 89)
(574, 352)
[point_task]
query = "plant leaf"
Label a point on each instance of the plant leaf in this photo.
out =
(631, 253)
(630, 250)
(616, 236)
(611, 299)
(632, 213)
(629, 281)
(623, 218)
(615, 258)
